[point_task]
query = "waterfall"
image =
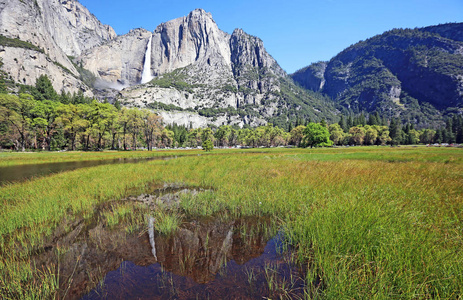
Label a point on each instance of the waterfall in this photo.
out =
(146, 74)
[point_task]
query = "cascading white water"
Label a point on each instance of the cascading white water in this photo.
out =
(146, 74)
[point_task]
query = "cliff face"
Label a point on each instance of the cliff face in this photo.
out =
(25, 66)
(202, 74)
(416, 75)
(120, 60)
(59, 29)
(73, 27)
(311, 77)
(191, 39)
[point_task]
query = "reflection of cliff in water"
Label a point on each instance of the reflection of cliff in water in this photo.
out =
(198, 250)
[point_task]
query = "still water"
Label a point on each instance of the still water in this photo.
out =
(24, 172)
(206, 257)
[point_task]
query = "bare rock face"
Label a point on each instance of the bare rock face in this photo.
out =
(194, 39)
(184, 41)
(49, 24)
(119, 61)
(248, 52)
(73, 27)
(26, 20)
(60, 29)
(27, 65)
(200, 72)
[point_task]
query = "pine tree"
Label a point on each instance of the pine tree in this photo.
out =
(350, 123)
(323, 123)
(449, 135)
(378, 119)
(342, 123)
(394, 132)
(459, 129)
(45, 89)
(117, 105)
(439, 136)
(361, 120)
(372, 120)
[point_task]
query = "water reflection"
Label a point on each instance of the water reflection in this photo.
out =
(23, 172)
(204, 258)
(216, 258)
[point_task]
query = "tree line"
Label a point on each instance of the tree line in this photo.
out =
(357, 131)
(39, 118)
(75, 122)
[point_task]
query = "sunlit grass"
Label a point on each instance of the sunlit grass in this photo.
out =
(166, 222)
(20, 158)
(368, 222)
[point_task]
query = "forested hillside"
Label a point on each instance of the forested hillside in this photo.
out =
(415, 75)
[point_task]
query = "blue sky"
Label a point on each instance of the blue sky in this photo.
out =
(295, 33)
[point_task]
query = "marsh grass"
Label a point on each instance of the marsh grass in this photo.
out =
(20, 158)
(21, 279)
(129, 215)
(368, 222)
(167, 222)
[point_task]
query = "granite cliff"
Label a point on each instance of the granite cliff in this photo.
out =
(55, 30)
(202, 75)
(197, 74)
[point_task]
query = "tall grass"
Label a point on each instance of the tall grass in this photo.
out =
(368, 222)
(21, 158)
(166, 222)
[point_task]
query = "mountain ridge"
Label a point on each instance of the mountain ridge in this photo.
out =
(205, 76)
(412, 74)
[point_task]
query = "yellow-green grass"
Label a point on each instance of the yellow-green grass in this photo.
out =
(368, 222)
(27, 158)
(384, 152)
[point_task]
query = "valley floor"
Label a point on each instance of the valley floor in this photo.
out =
(364, 222)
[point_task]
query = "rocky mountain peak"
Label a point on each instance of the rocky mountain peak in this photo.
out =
(56, 29)
(184, 41)
(84, 30)
(248, 51)
(199, 13)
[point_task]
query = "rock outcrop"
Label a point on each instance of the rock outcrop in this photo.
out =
(59, 28)
(187, 40)
(73, 27)
(25, 66)
(311, 77)
(120, 61)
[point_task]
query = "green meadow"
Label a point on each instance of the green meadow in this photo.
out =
(364, 222)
